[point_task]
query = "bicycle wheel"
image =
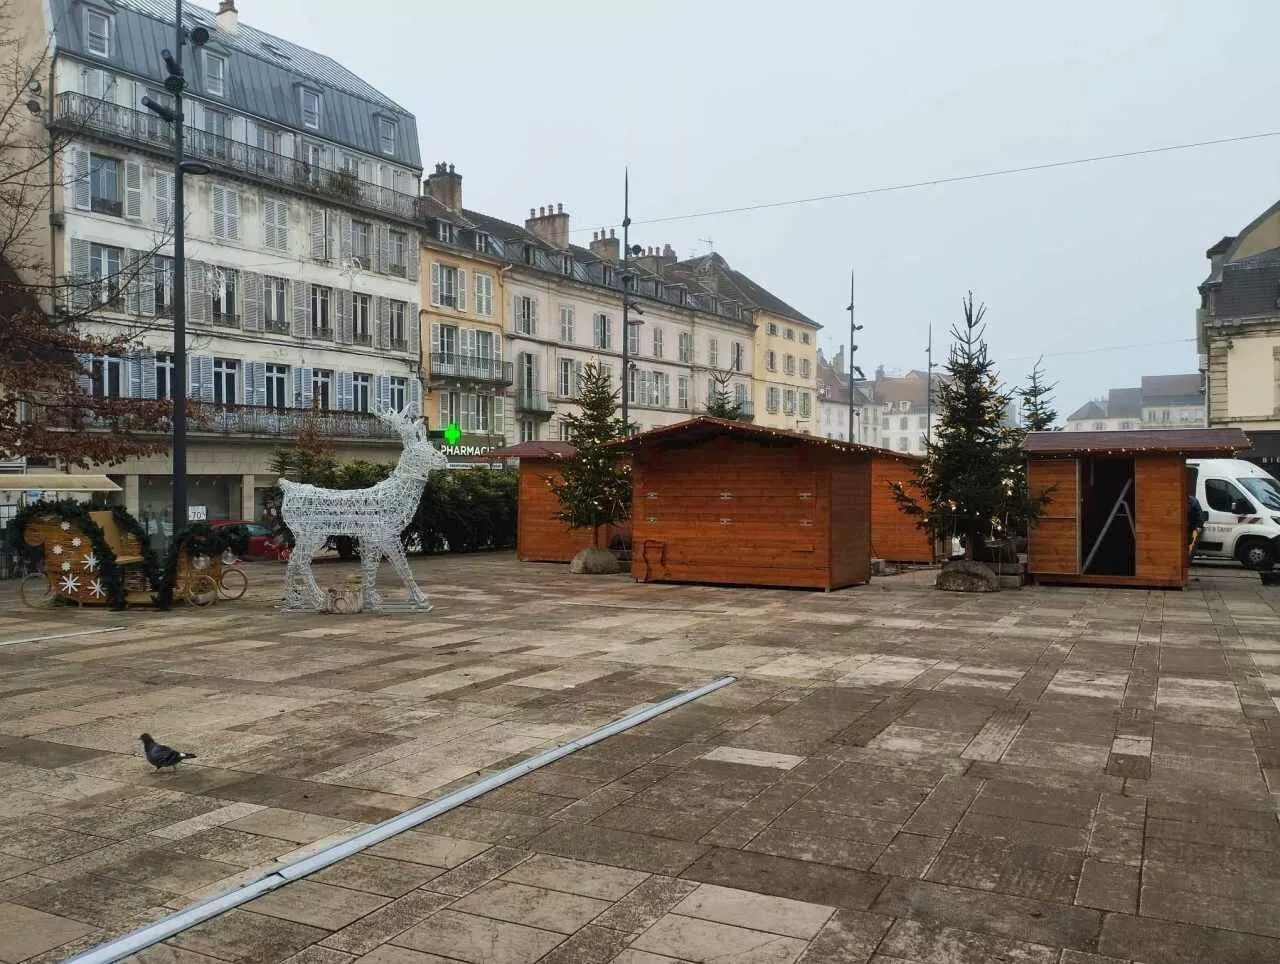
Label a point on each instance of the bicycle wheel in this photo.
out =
(233, 584)
(37, 591)
(201, 590)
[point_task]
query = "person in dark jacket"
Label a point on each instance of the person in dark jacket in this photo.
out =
(1196, 518)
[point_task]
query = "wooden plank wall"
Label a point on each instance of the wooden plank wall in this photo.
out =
(540, 537)
(1161, 519)
(732, 511)
(852, 525)
(894, 536)
(1054, 544)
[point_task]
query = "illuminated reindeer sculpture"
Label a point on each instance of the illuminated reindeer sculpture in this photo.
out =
(375, 516)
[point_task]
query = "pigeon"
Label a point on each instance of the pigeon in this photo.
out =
(159, 755)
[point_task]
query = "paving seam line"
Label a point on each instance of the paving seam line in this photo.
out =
(161, 930)
(83, 632)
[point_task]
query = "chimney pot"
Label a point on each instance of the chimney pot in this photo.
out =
(533, 212)
(611, 232)
(450, 168)
(228, 17)
(559, 208)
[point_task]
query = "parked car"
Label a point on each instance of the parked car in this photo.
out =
(262, 543)
(1243, 505)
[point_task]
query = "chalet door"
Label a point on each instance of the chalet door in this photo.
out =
(1108, 517)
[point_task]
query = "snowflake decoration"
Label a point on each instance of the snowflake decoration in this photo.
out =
(70, 583)
(66, 567)
(75, 542)
(57, 550)
(66, 527)
(90, 561)
(98, 590)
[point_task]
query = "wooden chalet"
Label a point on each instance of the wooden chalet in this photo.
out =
(1117, 514)
(718, 501)
(894, 535)
(540, 536)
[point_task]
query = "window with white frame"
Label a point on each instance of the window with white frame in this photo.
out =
(106, 192)
(321, 325)
(566, 324)
(771, 361)
(214, 139)
(226, 213)
(566, 432)
(713, 352)
(276, 220)
(162, 278)
(451, 408)
(657, 342)
(310, 102)
(528, 430)
(277, 386)
(97, 33)
(397, 243)
(223, 290)
(633, 337)
(446, 232)
(771, 398)
(107, 377)
(322, 388)
(360, 231)
(788, 401)
(772, 328)
(444, 286)
(104, 272)
(164, 375)
(682, 392)
(567, 383)
(360, 388)
(602, 331)
(805, 404)
(398, 332)
(789, 363)
(805, 338)
(273, 305)
(399, 392)
(484, 294)
(685, 347)
(804, 368)
(225, 373)
(215, 74)
(740, 393)
(790, 334)
(660, 389)
(386, 136)
(361, 328)
(526, 315)
(739, 356)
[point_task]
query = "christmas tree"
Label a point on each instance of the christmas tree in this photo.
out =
(1038, 414)
(722, 403)
(595, 485)
(970, 482)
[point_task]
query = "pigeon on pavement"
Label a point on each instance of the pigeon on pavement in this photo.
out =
(159, 755)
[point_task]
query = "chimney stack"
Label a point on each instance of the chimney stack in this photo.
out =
(655, 260)
(444, 185)
(606, 248)
(551, 224)
(228, 16)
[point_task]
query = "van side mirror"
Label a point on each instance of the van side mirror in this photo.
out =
(1241, 507)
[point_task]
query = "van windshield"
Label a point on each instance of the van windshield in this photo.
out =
(1264, 490)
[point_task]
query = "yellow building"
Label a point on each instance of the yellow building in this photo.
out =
(786, 367)
(463, 299)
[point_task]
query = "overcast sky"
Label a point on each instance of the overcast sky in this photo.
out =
(725, 103)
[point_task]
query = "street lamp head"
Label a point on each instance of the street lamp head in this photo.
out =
(164, 113)
(199, 36)
(197, 168)
(171, 65)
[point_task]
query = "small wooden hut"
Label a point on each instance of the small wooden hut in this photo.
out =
(540, 536)
(1117, 511)
(716, 501)
(894, 534)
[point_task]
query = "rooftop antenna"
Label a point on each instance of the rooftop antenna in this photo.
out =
(711, 245)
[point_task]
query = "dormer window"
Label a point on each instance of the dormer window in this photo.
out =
(386, 136)
(608, 276)
(566, 264)
(310, 109)
(215, 74)
(445, 232)
(97, 33)
(482, 242)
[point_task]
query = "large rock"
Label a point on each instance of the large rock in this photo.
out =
(594, 562)
(968, 576)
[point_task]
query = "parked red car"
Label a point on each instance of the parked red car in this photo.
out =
(262, 544)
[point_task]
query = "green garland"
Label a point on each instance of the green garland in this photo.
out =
(77, 513)
(198, 539)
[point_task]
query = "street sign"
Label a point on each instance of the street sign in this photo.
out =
(196, 513)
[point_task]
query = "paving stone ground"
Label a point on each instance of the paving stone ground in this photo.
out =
(1062, 776)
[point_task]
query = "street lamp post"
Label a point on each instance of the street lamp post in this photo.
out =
(175, 83)
(627, 305)
(853, 347)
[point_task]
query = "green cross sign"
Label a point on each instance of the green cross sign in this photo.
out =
(452, 434)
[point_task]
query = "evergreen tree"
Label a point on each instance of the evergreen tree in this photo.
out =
(970, 481)
(1038, 413)
(722, 403)
(595, 488)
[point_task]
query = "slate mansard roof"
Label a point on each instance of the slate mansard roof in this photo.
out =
(264, 72)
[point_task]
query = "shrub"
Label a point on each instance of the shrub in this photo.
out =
(467, 510)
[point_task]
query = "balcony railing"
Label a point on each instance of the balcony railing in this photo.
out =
(362, 338)
(535, 403)
(399, 344)
(325, 333)
(206, 418)
(277, 327)
(224, 321)
(468, 368)
(79, 112)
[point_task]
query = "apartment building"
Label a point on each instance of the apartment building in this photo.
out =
(833, 404)
(1160, 401)
(302, 244)
(559, 306)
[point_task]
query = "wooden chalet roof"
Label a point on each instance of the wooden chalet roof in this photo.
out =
(1172, 441)
(699, 429)
(535, 450)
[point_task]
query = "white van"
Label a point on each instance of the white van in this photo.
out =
(1243, 505)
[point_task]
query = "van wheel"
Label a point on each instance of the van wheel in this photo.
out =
(1257, 555)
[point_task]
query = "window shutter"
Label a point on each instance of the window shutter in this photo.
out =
(219, 211)
(381, 246)
(132, 265)
(412, 255)
(298, 292)
(435, 340)
(146, 281)
(383, 308)
(164, 199)
(148, 365)
(317, 234)
(415, 396)
(435, 283)
(462, 290)
(81, 197)
(344, 251)
(252, 309)
(499, 415)
(132, 189)
(412, 324)
(577, 379)
(233, 215)
(382, 389)
(346, 394)
(533, 316)
(302, 376)
(84, 378)
(256, 383)
(344, 326)
(80, 294)
(197, 292)
(193, 378)
(133, 365)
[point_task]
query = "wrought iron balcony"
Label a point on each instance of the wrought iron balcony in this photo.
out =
(533, 403)
(447, 365)
(261, 420)
(135, 128)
